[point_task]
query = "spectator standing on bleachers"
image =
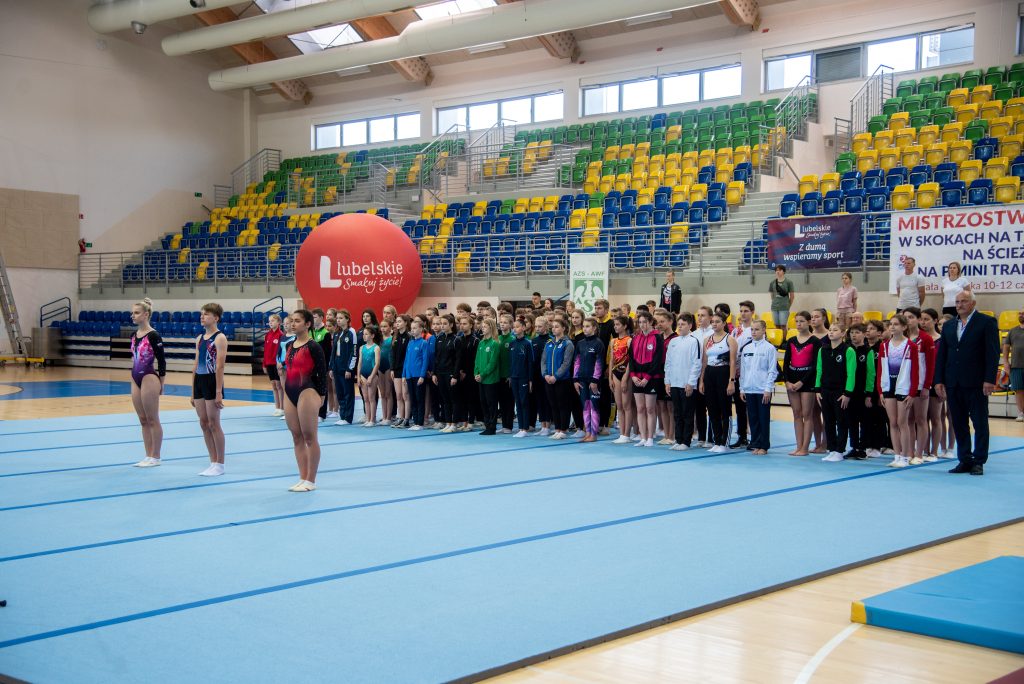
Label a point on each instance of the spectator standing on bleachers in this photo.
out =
(1013, 359)
(846, 301)
(783, 292)
(953, 283)
(536, 303)
(965, 375)
(909, 286)
(671, 295)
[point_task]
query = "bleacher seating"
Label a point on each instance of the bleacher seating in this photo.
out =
(170, 324)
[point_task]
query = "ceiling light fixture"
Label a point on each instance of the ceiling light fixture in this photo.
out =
(486, 48)
(649, 19)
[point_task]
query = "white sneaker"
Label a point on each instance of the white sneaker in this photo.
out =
(897, 462)
(277, 412)
(888, 452)
(333, 414)
(543, 432)
(948, 453)
(679, 447)
(215, 470)
(666, 442)
(718, 449)
(343, 422)
(415, 427)
(634, 438)
(521, 433)
(873, 453)
(369, 423)
(659, 433)
(448, 429)
(148, 462)
(916, 460)
(1020, 418)
(505, 431)
(295, 487)
(931, 458)
(559, 435)
(622, 439)
(833, 457)
(639, 443)
(649, 442)
(303, 486)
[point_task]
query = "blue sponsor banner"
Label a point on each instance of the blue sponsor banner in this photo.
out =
(811, 242)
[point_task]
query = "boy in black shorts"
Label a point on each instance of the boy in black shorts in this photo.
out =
(208, 385)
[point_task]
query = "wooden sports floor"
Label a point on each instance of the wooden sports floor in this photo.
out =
(800, 634)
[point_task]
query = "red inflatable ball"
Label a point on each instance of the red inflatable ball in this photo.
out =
(357, 262)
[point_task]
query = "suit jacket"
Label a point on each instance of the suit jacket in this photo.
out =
(971, 360)
(673, 302)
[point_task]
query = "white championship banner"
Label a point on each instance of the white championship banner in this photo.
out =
(988, 241)
(588, 280)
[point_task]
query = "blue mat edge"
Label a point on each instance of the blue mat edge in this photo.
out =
(977, 635)
(708, 607)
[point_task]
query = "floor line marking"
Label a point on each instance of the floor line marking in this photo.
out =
(322, 579)
(131, 441)
(812, 665)
(366, 504)
(194, 421)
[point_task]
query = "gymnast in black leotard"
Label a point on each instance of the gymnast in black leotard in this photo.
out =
(305, 386)
(148, 370)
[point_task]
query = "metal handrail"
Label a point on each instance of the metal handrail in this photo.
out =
(51, 310)
(804, 83)
(879, 70)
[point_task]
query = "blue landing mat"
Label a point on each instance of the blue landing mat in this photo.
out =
(60, 389)
(421, 557)
(981, 604)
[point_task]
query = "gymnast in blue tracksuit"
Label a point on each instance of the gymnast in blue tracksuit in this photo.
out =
(520, 374)
(417, 366)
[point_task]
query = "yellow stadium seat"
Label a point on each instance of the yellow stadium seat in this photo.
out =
(902, 196)
(440, 211)
(992, 109)
(774, 336)
(627, 151)
(970, 171)
(678, 233)
(550, 203)
(1018, 125)
(874, 315)
(1008, 320)
(591, 238)
(911, 156)
(734, 193)
(861, 141)
(462, 260)
(927, 196)
(202, 269)
(622, 181)
(1014, 107)
(829, 182)
(645, 196)
(1011, 146)
(888, 158)
(577, 218)
(705, 158)
(957, 97)
(952, 132)
(671, 178)
(673, 133)
(723, 156)
(899, 120)
(1007, 189)
(183, 255)
(936, 153)
(607, 184)
(967, 113)
(637, 182)
(765, 316)
(1000, 126)
(689, 160)
(808, 183)
(960, 151)
(590, 186)
(723, 173)
(521, 206)
(426, 245)
(480, 209)
(905, 137)
(536, 204)
(741, 154)
(594, 217)
(981, 94)
(611, 153)
(926, 135)
(698, 192)
(688, 176)
(884, 139)
(440, 245)
(680, 193)
(997, 167)
(867, 160)
(643, 149)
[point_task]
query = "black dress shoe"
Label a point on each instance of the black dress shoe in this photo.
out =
(962, 468)
(489, 432)
(977, 469)
(739, 443)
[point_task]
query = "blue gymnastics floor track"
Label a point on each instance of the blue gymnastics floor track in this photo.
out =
(421, 557)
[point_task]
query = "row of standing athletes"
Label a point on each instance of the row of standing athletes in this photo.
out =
(685, 373)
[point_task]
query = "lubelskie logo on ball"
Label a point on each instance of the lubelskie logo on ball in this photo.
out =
(371, 277)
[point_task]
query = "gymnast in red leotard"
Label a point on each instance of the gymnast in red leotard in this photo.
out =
(305, 386)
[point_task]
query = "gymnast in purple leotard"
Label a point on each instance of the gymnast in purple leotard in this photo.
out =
(148, 370)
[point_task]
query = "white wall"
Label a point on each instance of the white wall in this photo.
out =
(111, 119)
(786, 27)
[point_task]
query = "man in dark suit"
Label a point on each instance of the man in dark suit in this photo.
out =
(965, 375)
(671, 295)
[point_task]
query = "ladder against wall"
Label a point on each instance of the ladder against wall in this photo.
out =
(19, 343)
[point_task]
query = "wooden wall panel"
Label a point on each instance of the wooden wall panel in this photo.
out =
(39, 229)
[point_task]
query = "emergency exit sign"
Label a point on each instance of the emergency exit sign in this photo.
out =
(199, 194)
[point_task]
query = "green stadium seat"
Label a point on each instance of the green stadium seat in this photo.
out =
(906, 87)
(995, 75)
(971, 79)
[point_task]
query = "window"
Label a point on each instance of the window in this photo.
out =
(382, 130)
(680, 89)
(313, 40)
(516, 110)
(838, 65)
(640, 94)
(452, 7)
(900, 54)
(954, 46)
(328, 136)
(786, 72)
(669, 89)
(724, 82)
(376, 130)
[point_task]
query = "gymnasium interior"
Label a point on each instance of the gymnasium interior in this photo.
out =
(184, 151)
